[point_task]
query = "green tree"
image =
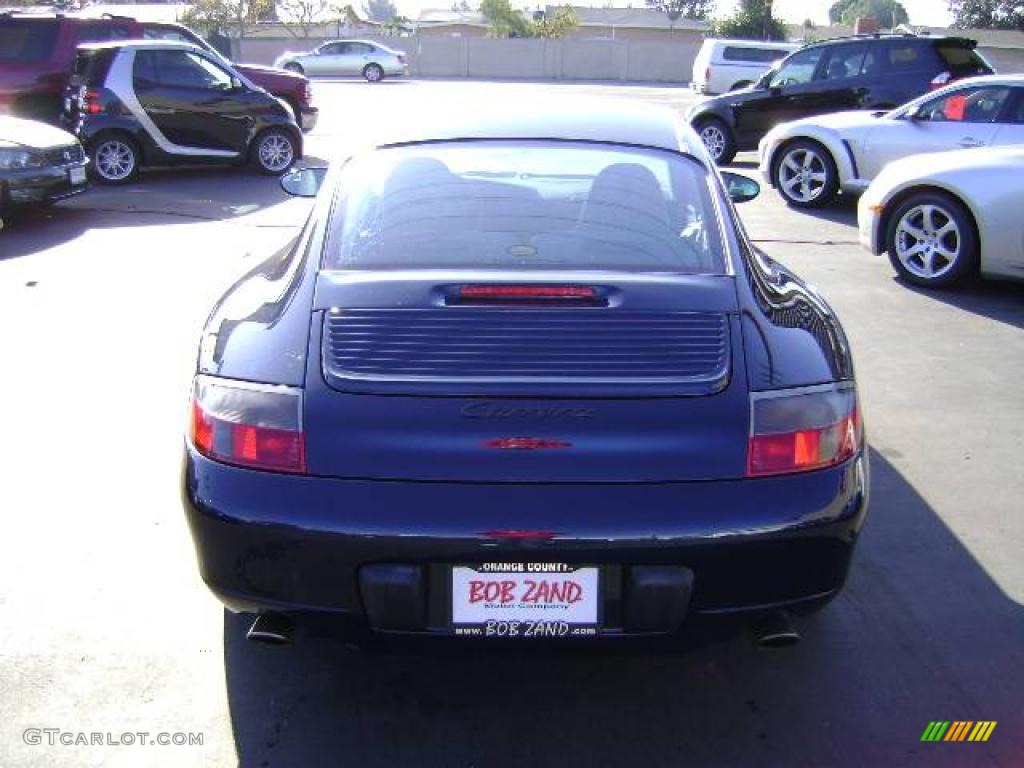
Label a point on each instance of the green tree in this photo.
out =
(683, 9)
(503, 20)
(554, 25)
(300, 16)
(987, 14)
(887, 12)
(753, 19)
(237, 16)
(380, 10)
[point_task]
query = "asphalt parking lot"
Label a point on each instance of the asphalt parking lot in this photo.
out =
(108, 629)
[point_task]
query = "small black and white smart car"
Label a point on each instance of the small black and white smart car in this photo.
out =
(147, 103)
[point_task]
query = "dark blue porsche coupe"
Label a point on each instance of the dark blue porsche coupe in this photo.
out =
(523, 377)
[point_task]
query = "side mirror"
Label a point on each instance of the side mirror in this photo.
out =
(741, 189)
(304, 182)
(236, 84)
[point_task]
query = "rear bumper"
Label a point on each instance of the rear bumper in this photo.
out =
(268, 542)
(38, 186)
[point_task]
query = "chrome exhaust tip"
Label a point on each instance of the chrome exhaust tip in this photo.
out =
(271, 629)
(776, 630)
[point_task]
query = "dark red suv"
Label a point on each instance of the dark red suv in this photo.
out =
(37, 53)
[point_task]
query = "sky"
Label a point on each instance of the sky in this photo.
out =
(931, 13)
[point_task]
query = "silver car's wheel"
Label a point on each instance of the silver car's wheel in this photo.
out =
(931, 240)
(295, 67)
(114, 160)
(805, 175)
(373, 73)
(274, 151)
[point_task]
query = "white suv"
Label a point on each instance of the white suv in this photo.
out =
(726, 65)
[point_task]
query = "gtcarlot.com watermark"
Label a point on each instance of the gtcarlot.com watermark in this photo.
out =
(54, 737)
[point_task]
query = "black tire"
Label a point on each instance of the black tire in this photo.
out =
(741, 84)
(294, 66)
(948, 251)
(114, 158)
(805, 174)
(274, 151)
(373, 73)
(717, 138)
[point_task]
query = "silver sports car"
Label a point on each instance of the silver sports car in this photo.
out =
(946, 217)
(372, 61)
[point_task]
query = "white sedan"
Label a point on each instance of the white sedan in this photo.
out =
(347, 57)
(945, 218)
(809, 161)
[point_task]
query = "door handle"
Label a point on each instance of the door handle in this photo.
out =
(969, 141)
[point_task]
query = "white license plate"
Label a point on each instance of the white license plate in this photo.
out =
(76, 175)
(525, 600)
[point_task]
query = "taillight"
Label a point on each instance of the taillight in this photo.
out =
(401, 58)
(90, 102)
(545, 294)
(940, 80)
(707, 75)
(798, 430)
(252, 425)
(308, 93)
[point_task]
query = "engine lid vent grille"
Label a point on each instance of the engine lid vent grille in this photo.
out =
(536, 345)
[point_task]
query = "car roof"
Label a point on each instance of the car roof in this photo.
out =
(905, 36)
(141, 44)
(374, 43)
(612, 121)
(1009, 79)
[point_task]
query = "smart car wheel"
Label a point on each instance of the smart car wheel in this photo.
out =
(274, 151)
(717, 139)
(932, 241)
(113, 159)
(295, 67)
(373, 73)
(805, 175)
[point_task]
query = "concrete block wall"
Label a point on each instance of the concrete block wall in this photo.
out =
(534, 59)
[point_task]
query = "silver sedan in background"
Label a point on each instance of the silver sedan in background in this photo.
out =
(944, 218)
(372, 61)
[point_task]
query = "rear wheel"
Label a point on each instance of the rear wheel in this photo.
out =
(373, 73)
(741, 84)
(932, 241)
(805, 174)
(274, 151)
(295, 67)
(113, 158)
(717, 139)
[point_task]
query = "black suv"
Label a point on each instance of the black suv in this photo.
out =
(163, 103)
(862, 72)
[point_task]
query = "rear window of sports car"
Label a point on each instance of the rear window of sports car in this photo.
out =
(529, 205)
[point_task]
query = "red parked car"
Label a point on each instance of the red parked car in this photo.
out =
(37, 53)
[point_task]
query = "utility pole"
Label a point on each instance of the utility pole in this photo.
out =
(767, 32)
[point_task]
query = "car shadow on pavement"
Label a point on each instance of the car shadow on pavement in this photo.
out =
(995, 299)
(842, 210)
(159, 196)
(920, 633)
